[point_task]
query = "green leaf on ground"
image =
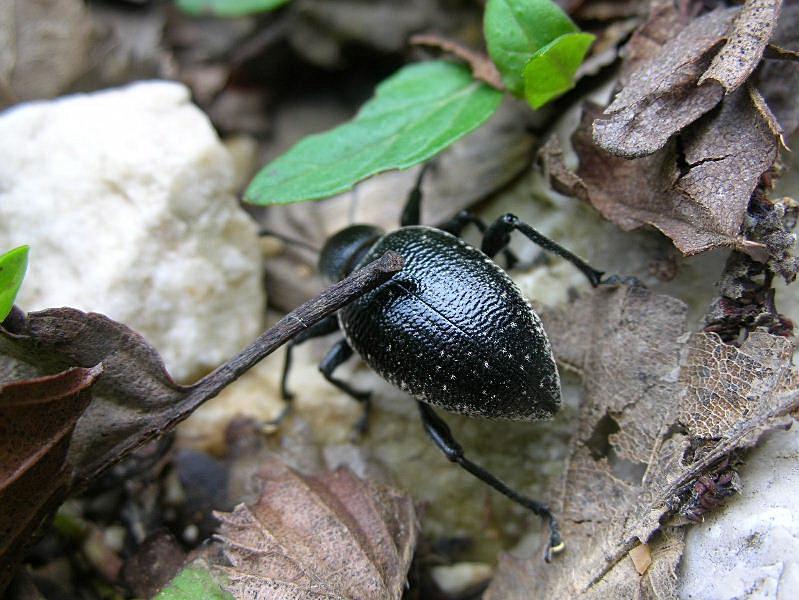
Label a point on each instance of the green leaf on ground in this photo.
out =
(228, 8)
(551, 71)
(516, 30)
(13, 265)
(191, 583)
(414, 115)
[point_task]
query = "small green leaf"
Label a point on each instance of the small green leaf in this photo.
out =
(13, 265)
(192, 583)
(415, 114)
(515, 30)
(551, 70)
(228, 8)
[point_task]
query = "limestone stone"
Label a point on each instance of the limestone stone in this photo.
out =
(125, 197)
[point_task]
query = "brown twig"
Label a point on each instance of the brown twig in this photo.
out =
(313, 311)
(481, 66)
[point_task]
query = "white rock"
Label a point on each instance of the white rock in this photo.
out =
(125, 197)
(750, 548)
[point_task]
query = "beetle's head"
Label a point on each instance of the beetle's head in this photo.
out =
(343, 250)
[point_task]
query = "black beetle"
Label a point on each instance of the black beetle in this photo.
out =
(451, 329)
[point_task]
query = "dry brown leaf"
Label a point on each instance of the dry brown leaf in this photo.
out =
(134, 392)
(661, 95)
(695, 190)
(661, 407)
(37, 419)
(330, 536)
(751, 30)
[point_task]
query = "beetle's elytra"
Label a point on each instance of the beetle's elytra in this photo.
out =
(453, 330)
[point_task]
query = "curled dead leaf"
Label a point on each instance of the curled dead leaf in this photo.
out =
(751, 30)
(695, 190)
(328, 536)
(661, 96)
(670, 81)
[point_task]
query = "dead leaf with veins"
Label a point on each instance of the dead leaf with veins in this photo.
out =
(695, 190)
(661, 407)
(327, 536)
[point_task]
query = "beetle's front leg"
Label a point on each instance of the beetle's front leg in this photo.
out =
(441, 435)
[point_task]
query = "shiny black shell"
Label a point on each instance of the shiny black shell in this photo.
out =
(454, 331)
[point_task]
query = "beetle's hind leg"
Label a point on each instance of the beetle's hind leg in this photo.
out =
(497, 237)
(441, 435)
(335, 357)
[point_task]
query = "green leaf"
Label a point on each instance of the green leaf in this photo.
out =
(193, 582)
(515, 30)
(415, 114)
(551, 70)
(228, 8)
(13, 265)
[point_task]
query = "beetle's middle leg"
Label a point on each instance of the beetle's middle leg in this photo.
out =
(497, 236)
(335, 357)
(441, 435)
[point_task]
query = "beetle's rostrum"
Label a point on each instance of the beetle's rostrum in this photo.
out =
(451, 329)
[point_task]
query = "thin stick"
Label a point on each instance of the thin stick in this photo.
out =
(313, 311)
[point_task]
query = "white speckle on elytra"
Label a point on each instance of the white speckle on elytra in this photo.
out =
(452, 376)
(444, 387)
(486, 364)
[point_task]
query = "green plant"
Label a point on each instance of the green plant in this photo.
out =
(228, 8)
(424, 108)
(13, 265)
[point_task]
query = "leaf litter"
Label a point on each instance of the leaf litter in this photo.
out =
(662, 407)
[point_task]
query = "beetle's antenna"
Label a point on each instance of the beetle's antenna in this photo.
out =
(289, 240)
